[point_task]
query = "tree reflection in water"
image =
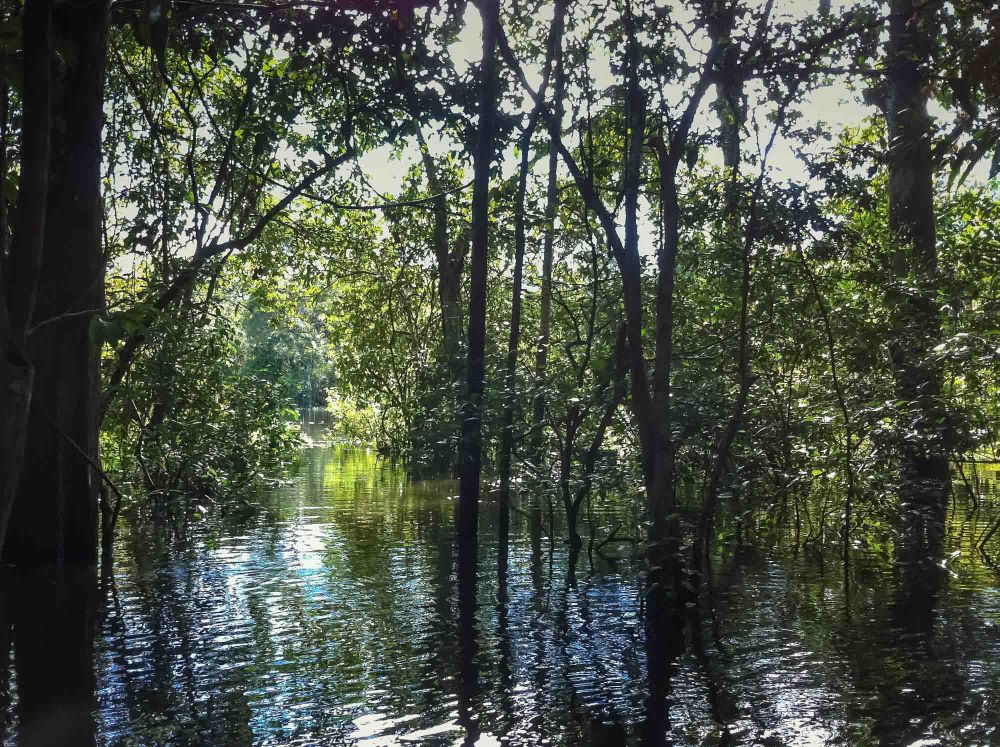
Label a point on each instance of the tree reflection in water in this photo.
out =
(330, 615)
(48, 620)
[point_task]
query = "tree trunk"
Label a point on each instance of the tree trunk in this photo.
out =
(730, 115)
(654, 449)
(706, 521)
(849, 498)
(554, 123)
(449, 262)
(55, 620)
(506, 454)
(924, 474)
(19, 278)
(470, 463)
(730, 109)
(664, 530)
(567, 446)
(55, 512)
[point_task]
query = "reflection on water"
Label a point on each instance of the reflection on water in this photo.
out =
(328, 616)
(51, 685)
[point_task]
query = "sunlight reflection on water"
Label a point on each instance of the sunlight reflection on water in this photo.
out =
(328, 617)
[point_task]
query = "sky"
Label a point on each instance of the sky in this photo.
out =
(384, 169)
(839, 107)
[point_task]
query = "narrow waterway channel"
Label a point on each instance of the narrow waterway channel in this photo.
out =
(326, 615)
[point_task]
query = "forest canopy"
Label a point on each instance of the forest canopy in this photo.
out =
(718, 257)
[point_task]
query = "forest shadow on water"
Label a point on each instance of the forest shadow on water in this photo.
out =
(328, 615)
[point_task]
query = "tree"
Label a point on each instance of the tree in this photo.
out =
(924, 472)
(470, 456)
(19, 270)
(55, 512)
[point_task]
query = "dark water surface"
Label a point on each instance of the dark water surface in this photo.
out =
(328, 617)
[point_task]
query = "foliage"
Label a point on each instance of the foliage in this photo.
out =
(254, 262)
(199, 415)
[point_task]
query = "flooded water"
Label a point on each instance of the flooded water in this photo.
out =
(327, 616)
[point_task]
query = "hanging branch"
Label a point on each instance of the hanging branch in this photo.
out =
(185, 280)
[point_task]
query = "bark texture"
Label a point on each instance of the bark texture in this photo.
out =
(20, 270)
(54, 517)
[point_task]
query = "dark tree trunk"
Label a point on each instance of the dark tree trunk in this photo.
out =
(505, 456)
(664, 590)
(54, 628)
(551, 209)
(664, 529)
(630, 266)
(730, 108)
(653, 438)
(730, 115)
(924, 465)
(554, 126)
(566, 449)
(470, 463)
(20, 271)
(723, 448)
(662, 577)
(506, 453)
(55, 512)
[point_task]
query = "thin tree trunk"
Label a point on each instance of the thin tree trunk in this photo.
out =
(838, 388)
(730, 108)
(554, 126)
(703, 535)
(723, 448)
(647, 418)
(467, 519)
(627, 258)
(551, 209)
(665, 532)
(506, 453)
(664, 528)
(587, 467)
(731, 116)
(631, 267)
(449, 262)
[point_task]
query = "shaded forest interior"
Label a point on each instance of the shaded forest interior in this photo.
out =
(656, 284)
